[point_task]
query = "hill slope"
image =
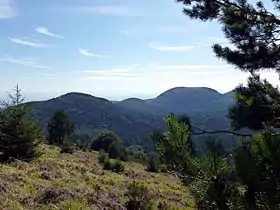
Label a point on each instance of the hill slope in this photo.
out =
(92, 114)
(64, 181)
(133, 119)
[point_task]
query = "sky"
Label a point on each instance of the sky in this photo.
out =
(109, 48)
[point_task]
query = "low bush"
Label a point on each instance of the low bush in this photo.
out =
(139, 197)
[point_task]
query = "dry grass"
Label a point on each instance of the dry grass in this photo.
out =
(64, 181)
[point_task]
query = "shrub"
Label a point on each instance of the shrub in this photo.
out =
(102, 156)
(113, 165)
(134, 153)
(154, 163)
(163, 168)
(104, 141)
(118, 166)
(67, 148)
(108, 164)
(139, 197)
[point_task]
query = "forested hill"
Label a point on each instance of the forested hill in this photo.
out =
(133, 119)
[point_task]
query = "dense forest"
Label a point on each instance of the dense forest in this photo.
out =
(245, 176)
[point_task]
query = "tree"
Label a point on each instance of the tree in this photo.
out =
(252, 29)
(174, 148)
(60, 129)
(19, 134)
(109, 142)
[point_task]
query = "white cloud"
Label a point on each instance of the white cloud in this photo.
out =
(45, 31)
(7, 9)
(170, 48)
(28, 62)
(29, 43)
(87, 53)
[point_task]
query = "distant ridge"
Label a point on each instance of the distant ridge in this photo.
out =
(133, 118)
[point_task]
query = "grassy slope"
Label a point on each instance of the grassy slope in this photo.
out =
(64, 181)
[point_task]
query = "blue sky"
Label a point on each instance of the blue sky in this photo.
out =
(110, 48)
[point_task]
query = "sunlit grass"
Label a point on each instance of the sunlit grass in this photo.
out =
(64, 181)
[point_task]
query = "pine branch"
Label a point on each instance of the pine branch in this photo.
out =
(202, 132)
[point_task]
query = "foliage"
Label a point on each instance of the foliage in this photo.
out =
(139, 197)
(109, 142)
(174, 148)
(252, 29)
(68, 147)
(79, 182)
(102, 156)
(135, 153)
(60, 128)
(257, 105)
(19, 134)
(153, 163)
(113, 165)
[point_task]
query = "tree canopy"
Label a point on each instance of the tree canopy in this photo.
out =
(252, 29)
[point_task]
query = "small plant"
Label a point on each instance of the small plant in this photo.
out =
(139, 197)
(102, 156)
(113, 165)
(154, 163)
(118, 166)
(67, 148)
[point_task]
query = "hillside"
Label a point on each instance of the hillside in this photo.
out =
(72, 182)
(133, 119)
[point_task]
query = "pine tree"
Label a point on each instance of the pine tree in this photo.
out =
(19, 134)
(60, 129)
(253, 30)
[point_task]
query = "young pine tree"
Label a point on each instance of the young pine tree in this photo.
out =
(60, 129)
(19, 134)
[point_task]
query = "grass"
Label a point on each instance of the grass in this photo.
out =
(77, 181)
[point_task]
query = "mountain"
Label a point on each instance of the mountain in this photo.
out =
(133, 119)
(92, 114)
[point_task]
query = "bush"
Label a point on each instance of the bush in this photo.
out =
(102, 156)
(67, 148)
(134, 153)
(163, 168)
(118, 167)
(104, 140)
(154, 163)
(139, 197)
(113, 165)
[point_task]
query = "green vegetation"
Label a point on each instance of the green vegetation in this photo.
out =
(74, 181)
(245, 177)
(60, 129)
(19, 134)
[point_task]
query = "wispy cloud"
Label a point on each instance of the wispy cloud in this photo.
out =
(29, 43)
(105, 10)
(87, 53)
(7, 9)
(174, 48)
(28, 62)
(45, 31)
